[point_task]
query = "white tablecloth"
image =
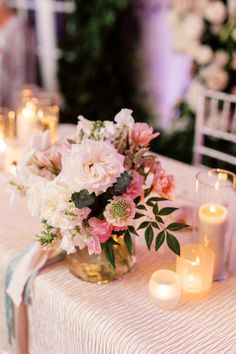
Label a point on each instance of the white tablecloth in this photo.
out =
(69, 316)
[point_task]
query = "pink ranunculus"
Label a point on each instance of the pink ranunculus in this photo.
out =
(163, 184)
(142, 134)
(100, 229)
(51, 158)
(134, 190)
(119, 228)
(153, 165)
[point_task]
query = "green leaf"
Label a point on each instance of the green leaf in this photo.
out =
(175, 226)
(138, 215)
(149, 234)
(155, 209)
(109, 253)
(147, 192)
(132, 230)
(173, 243)
(120, 186)
(167, 211)
(141, 207)
(137, 200)
(160, 239)
(159, 219)
(128, 242)
(143, 225)
(154, 224)
(156, 199)
(71, 141)
(151, 204)
(83, 199)
(113, 242)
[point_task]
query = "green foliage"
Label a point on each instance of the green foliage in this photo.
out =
(98, 65)
(83, 199)
(47, 236)
(120, 186)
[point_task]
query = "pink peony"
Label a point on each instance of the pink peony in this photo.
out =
(51, 158)
(120, 211)
(135, 188)
(100, 229)
(163, 184)
(142, 134)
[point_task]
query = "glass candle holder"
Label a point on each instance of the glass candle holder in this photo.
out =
(215, 215)
(48, 113)
(7, 123)
(165, 288)
(195, 269)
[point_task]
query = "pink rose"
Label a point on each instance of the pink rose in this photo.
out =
(163, 184)
(51, 158)
(100, 229)
(135, 188)
(142, 134)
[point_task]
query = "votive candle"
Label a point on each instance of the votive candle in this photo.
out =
(195, 269)
(3, 148)
(165, 288)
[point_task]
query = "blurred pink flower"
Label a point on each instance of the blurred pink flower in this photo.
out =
(51, 158)
(93, 244)
(100, 229)
(153, 165)
(163, 184)
(120, 211)
(142, 134)
(135, 188)
(119, 228)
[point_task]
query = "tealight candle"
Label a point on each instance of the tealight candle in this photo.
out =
(195, 269)
(164, 288)
(212, 230)
(3, 148)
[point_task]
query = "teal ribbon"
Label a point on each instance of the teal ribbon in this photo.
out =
(9, 305)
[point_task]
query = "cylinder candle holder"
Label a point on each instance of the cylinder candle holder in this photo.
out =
(195, 269)
(214, 216)
(164, 288)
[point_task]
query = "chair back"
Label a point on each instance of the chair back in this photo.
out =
(216, 118)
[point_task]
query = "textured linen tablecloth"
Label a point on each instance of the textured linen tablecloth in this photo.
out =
(69, 316)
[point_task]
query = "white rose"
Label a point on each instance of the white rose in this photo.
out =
(221, 57)
(92, 165)
(215, 77)
(34, 196)
(203, 54)
(215, 12)
(55, 199)
(70, 240)
(193, 94)
(124, 119)
(192, 26)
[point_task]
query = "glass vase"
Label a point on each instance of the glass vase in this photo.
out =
(215, 215)
(96, 268)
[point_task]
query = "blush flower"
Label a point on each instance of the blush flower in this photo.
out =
(92, 165)
(51, 158)
(163, 184)
(120, 211)
(134, 190)
(142, 134)
(100, 229)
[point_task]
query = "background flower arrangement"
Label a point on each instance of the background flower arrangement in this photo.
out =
(89, 191)
(205, 31)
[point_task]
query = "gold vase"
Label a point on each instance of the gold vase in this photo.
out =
(96, 268)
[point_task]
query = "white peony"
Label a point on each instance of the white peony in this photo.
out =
(202, 54)
(124, 119)
(221, 57)
(215, 77)
(192, 26)
(92, 165)
(215, 12)
(34, 196)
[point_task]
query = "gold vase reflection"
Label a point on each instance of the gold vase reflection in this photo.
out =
(96, 268)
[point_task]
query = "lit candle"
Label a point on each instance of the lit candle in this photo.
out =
(26, 122)
(13, 155)
(212, 229)
(195, 269)
(164, 288)
(48, 121)
(3, 148)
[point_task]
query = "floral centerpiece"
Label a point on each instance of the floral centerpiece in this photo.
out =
(89, 191)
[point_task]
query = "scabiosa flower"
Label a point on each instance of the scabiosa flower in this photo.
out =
(120, 211)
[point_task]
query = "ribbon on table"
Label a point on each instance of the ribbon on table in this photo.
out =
(19, 279)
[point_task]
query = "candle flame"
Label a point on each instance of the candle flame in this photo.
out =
(212, 209)
(3, 145)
